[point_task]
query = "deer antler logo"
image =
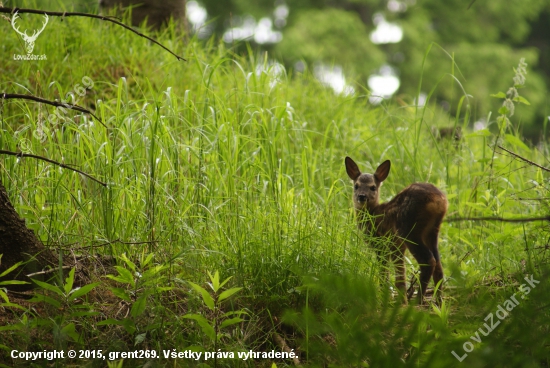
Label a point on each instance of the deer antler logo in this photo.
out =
(29, 40)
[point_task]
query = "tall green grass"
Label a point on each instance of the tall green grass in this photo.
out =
(220, 163)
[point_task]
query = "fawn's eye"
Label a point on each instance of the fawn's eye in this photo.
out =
(373, 188)
(356, 186)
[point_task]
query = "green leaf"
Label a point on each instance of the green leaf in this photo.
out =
(139, 306)
(15, 327)
(69, 281)
(503, 110)
(4, 296)
(147, 260)
(70, 330)
(215, 280)
(234, 313)
(128, 262)
(499, 95)
(163, 288)
(151, 275)
(225, 281)
(227, 293)
(205, 326)
(205, 295)
(121, 293)
(196, 317)
(82, 291)
(125, 276)
(515, 141)
(128, 324)
(13, 305)
(13, 282)
(45, 285)
(37, 298)
(10, 269)
(231, 321)
(522, 100)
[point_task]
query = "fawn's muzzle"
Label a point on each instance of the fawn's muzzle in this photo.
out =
(362, 198)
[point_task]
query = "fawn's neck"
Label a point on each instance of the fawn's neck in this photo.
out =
(375, 220)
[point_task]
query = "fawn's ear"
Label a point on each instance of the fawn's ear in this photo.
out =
(352, 169)
(382, 171)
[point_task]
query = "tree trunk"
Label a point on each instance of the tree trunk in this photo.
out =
(20, 244)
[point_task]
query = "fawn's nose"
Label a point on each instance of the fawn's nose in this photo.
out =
(362, 197)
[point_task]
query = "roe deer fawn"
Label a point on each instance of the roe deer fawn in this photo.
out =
(412, 218)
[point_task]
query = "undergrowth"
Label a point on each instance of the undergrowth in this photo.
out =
(227, 162)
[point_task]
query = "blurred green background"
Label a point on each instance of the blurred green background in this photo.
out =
(392, 49)
(370, 39)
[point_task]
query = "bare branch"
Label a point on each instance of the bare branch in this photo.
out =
(8, 96)
(48, 271)
(284, 347)
(21, 154)
(500, 219)
(524, 159)
(117, 241)
(71, 14)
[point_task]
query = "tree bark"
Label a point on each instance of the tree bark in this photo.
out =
(19, 244)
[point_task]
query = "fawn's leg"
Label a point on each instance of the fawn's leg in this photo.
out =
(431, 241)
(400, 278)
(426, 272)
(438, 276)
(427, 263)
(398, 259)
(382, 256)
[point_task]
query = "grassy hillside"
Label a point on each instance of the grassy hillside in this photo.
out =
(225, 163)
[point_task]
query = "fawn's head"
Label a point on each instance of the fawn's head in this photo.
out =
(366, 186)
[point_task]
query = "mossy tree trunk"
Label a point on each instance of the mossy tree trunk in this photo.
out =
(19, 244)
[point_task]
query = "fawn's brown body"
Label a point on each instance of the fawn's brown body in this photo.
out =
(412, 218)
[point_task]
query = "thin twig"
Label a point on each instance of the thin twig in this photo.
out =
(21, 154)
(120, 242)
(284, 347)
(8, 96)
(464, 257)
(71, 14)
(496, 218)
(533, 199)
(48, 271)
(524, 159)
(541, 247)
